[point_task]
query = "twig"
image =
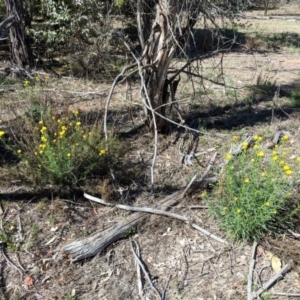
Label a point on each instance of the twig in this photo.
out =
(165, 289)
(144, 270)
(250, 275)
(9, 261)
(198, 206)
(110, 95)
(286, 294)
(209, 234)
(138, 271)
(98, 200)
(277, 276)
(21, 238)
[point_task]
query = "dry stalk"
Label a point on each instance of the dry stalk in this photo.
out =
(138, 260)
(250, 275)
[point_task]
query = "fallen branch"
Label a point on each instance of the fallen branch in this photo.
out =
(168, 214)
(286, 294)
(250, 275)
(96, 243)
(276, 277)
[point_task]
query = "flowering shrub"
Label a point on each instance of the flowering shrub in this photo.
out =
(252, 193)
(61, 150)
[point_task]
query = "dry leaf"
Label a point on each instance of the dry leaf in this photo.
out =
(28, 281)
(275, 261)
(260, 250)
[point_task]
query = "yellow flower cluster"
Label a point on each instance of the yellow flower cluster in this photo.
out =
(102, 152)
(26, 83)
(2, 134)
(257, 138)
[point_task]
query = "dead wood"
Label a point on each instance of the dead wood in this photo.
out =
(96, 243)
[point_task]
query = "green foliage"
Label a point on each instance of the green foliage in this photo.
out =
(252, 195)
(294, 96)
(61, 149)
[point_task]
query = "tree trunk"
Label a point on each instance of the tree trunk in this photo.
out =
(266, 5)
(157, 55)
(19, 45)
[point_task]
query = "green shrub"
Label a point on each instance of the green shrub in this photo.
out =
(252, 195)
(61, 149)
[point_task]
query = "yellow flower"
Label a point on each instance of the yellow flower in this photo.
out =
(203, 194)
(54, 141)
(238, 210)
(41, 122)
(61, 133)
(84, 136)
(255, 138)
(288, 172)
(64, 128)
(44, 139)
(245, 145)
(58, 121)
(255, 147)
(285, 137)
(247, 180)
(252, 160)
(78, 123)
(53, 118)
(41, 152)
(274, 212)
(276, 146)
(260, 154)
(228, 156)
(68, 154)
(267, 203)
(297, 159)
(281, 162)
(19, 151)
(263, 174)
(43, 129)
(274, 152)
(102, 152)
(42, 146)
(35, 153)
(259, 139)
(235, 138)
(75, 112)
(235, 198)
(225, 208)
(286, 167)
(37, 79)
(275, 158)
(2, 133)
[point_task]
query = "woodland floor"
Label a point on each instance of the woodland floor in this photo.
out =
(188, 264)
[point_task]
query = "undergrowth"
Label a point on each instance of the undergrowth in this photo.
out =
(61, 148)
(253, 194)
